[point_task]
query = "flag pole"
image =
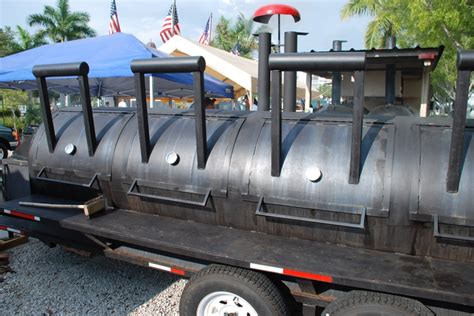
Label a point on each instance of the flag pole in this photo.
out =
(210, 30)
(172, 18)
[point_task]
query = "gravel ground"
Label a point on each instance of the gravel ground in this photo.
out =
(51, 281)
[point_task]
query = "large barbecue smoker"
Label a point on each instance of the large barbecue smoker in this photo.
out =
(267, 212)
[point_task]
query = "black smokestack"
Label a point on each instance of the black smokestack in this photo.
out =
(264, 46)
(390, 73)
(336, 76)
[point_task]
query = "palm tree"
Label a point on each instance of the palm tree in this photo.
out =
(59, 24)
(380, 28)
(241, 32)
(27, 41)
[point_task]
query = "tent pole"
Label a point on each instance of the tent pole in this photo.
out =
(151, 92)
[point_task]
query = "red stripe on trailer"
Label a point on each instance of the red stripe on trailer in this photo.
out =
(8, 229)
(295, 273)
(166, 268)
(177, 271)
(307, 275)
(22, 215)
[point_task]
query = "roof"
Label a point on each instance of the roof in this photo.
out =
(410, 60)
(241, 73)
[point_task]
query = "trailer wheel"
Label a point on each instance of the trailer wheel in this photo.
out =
(362, 303)
(224, 290)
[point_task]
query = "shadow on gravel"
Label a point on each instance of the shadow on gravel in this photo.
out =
(52, 281)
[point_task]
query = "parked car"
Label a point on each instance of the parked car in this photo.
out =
(8, 141)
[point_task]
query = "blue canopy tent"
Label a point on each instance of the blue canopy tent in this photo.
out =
(109, 60)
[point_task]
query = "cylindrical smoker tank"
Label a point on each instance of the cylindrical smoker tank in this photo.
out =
(402, 184)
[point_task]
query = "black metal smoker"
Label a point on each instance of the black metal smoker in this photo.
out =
(259, 194)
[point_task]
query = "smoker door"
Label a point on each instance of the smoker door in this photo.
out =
(175, 134)
(431, 199)
(308, 145)
(78, 166)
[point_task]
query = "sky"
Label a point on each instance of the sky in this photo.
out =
(143, 18)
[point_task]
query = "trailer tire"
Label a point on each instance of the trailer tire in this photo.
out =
(372, 303)
(250, 287)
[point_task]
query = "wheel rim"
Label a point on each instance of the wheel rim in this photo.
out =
(2, 153)
(223, 304)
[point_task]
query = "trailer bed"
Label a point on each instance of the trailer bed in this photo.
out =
(422, 277)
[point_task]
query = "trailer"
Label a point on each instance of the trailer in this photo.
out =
(267, 213)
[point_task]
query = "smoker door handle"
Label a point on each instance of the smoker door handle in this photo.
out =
(436, 232)
(360, 225)
(87, 185)
(202, 203)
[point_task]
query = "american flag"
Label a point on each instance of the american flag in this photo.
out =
(114, 25)
(170, 25)
(236, 49)
(206, 35)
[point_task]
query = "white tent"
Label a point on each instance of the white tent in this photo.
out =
(241, 73)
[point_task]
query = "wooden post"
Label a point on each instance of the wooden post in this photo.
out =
(308, 90)
(425, 92)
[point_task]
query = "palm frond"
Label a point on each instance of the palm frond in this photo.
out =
(359, 7)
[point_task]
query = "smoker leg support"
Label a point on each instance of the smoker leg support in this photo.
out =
(357, 121)
(276, 123)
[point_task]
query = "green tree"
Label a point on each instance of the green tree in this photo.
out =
(26, 40)
(11, 100)
(228, 34)
(427, 23)
(7, 41)
(13, 42)
(59, 24)
(431, 23)
(381, 27)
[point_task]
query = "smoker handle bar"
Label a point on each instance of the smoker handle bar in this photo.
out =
(465, 64)
(196, 65)
(436, 232)
(81, 70)
(360, 225)
(202, 203)
(335, 61)
(87, 185)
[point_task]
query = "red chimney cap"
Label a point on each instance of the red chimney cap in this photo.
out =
(263, 14)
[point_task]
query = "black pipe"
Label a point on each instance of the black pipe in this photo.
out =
(276, 123)
(391, 42)
(61, 70)
(336, 76)
(342, 61)
(169, 65)
(289, 91)
(87, 114)
(264, 46)
(466, 60)
(46, 113)
(465, 64)
(142, 117)
(357, 122)
(199, 114)
(390, 74)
